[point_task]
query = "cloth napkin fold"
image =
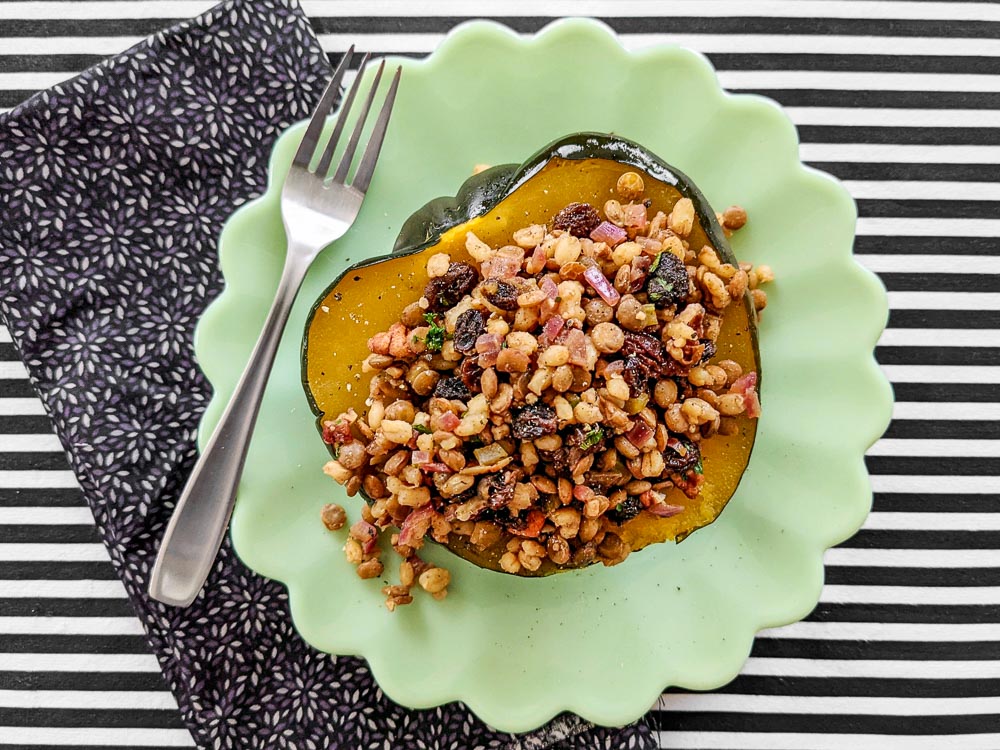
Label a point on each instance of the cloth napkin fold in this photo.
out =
(113, 189)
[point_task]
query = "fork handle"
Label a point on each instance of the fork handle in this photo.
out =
(199, 521)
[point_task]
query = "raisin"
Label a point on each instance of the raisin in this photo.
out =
(533, 421)
(445, 291)
(452, 389)
(636, 374)
(645, 346)
(626, 510)
(500, 293)
(470, 326)
(709, 350)
(560, 460)
(471, 372)
(499, 490)
(681, 454)
(579, 219)
(638, 275)
(668, 281)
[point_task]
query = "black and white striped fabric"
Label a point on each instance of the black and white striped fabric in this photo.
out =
(901, 100)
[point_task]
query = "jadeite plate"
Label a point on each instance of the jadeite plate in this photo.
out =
(602, 642)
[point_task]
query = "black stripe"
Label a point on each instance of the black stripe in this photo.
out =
(8, 352)
(978, 319)
(851, 575)
(17, 388)
(947, 391)
(915, 503)
(57, 571)
(928, 209)
(930, 539)
(27, 607)
(809, 648)
(91, 717)
(46, 497)
(27, 424)
(914, 172)
(17, 461)
(711, 721)
(931, 429)
(942, 282)
(13, 97)
(881, 687)
(970, 136)
(103, 681)
(926, 613)
(939, 355)
(874, 99)
(922, 465)
(74, 644)
(31, 533)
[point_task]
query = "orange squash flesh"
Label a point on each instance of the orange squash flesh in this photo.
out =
(370, 299)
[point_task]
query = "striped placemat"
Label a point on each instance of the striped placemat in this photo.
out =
(901, 100)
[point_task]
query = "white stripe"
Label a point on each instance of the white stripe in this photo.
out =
(947, 485)
(915, 447)
(5, 335)
(942, 373)
(895, 117)
(940, 336)
(936, 522)
(32, 80)
(67, 45)
(37, 479)
(933, 227)
(943, 11)
(40, 443)
(71, 625)
(906, 263)
(946, 410)
(103, 736)
(88, 699)
(56, 589)
(913, 558)
(20, 662)
(676, 740)
(938, 595)
(944, 300)
(913, 632)
(853, 81)
(75, 515)
(898, 152)
(825, 704)
(12, 370)
(20, 407)
(72, 552)
(929, 190)
(777, 667)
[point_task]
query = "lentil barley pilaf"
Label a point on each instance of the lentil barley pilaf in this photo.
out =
(546, 393)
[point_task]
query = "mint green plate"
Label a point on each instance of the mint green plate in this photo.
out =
(602, 642)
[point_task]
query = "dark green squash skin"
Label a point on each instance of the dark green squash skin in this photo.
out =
(482, 192)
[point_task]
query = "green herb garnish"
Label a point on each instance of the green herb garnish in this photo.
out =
(698, 468)
(422, 429)
(592, 438)
(435, 334)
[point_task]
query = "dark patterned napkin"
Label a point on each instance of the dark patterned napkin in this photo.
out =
(113, 189)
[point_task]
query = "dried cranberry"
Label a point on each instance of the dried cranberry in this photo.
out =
(452, 389)
(471, 372)
(337, 433)
(579, 219)
(500, 293)
(668, 281)
(681, 454)
(468, 328)
(533, 421)
(626, 510)
(445, 291)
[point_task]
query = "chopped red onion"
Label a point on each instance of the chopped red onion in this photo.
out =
(435, 467)
(576, 342)
(601, 285)
(549, 287)
(488, 342)
(415, 525)
(639, 434)
(420, 457)
(609, 233)
(449, 421)
(635, 216)
(665, 510)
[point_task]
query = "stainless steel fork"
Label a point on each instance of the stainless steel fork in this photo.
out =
(315, 211)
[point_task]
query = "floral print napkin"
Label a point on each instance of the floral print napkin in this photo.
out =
(113, 189)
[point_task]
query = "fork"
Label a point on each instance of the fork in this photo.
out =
(315, 211)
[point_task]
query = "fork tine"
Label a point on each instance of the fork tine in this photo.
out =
(307, 146)
(363, 177)
(324, 163)
(352, 145)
